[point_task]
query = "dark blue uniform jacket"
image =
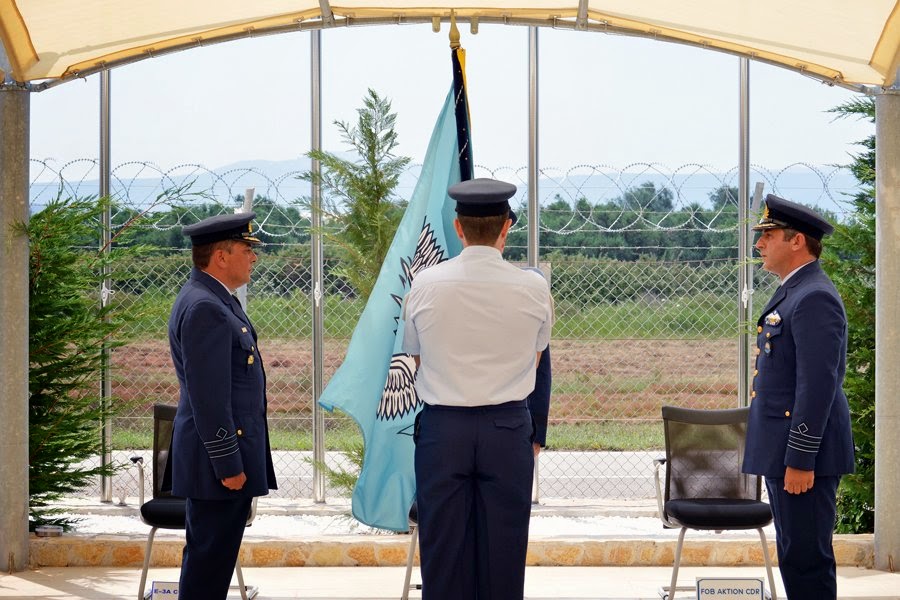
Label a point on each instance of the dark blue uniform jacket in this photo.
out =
(220, 426)
(539, 399)
(798, 412)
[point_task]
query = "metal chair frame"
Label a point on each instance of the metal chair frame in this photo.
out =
(700, 417)
(166, 412)
(410, 560)
(411, 553)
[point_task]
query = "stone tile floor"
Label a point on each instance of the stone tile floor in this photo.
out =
(560, 530)
(381, 583)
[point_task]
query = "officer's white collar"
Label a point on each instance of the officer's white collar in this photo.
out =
(791, 274)
(481, 249)
(228, 289)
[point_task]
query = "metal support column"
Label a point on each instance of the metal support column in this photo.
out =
(106, 492)
(533, 164)
(533, 173)
(887, 329)
(14, 124)
(318, 296)
(745, 250)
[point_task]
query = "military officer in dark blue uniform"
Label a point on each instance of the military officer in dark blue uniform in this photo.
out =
(221, 457)
(799, 434)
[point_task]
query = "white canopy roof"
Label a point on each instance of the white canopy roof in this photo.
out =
(847, 42)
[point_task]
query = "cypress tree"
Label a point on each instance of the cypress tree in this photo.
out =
(68, 329)
(849, 259)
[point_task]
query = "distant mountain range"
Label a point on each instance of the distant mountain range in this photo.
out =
(825, 187)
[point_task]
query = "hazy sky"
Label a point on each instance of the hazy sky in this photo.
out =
(604, 100)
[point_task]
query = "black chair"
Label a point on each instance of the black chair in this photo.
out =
(704, 487)
(411, 553)
(165, 511)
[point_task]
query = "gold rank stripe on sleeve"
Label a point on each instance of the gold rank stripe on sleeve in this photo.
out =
(223, 447)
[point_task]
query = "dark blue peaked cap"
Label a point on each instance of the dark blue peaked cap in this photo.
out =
(222, 227)
(784, 214)
(483, 197)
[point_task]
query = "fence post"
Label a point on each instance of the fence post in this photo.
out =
(246, 206)
(106, 492)
(745, 250)
(318, 296)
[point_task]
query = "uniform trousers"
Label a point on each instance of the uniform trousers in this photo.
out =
(474, 470)
(803, 533)
(213, 533)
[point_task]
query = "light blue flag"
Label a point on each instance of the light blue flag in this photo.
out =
(374, 384)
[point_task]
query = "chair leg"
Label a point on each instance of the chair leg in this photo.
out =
(146, 563)
(765, 549)
(240, 578)
(669, 593)
(410, 558)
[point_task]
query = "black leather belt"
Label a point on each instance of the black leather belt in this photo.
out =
(481, 408)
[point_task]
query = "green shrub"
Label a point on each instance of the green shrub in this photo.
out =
(68, 331)
(849, 259)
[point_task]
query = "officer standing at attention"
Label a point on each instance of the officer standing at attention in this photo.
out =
(220, 447)
(799, 435)
(475, 325)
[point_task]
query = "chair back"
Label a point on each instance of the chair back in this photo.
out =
(704, 454)
(163, 427)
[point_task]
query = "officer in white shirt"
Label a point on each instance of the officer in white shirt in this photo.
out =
(476, 326)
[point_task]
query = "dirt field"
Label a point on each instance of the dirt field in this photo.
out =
(592, 380)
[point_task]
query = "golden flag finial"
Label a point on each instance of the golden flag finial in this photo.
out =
(454, 32)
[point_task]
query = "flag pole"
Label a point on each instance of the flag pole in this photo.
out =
(461, 105)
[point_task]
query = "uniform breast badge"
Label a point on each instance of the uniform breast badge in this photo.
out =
(250, 360)
(773, 318)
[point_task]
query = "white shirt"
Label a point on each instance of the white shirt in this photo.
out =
(791, 274)
(476, 322)
(230, 291)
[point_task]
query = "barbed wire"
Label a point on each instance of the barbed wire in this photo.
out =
(639, 197)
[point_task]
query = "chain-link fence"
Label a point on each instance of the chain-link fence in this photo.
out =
(643, 264)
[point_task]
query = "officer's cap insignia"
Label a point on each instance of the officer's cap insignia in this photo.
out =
(773, 318)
